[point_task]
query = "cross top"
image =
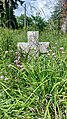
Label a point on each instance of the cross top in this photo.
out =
(33, 36)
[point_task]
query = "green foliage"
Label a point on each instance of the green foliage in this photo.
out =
(39, 88)
(9, 39)
(40, 24)
(20, 21)
(33, 22)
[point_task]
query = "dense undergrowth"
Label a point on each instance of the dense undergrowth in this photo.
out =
(35, 89)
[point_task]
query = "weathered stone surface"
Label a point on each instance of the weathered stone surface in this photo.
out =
(33, 46)
(33, 42)
(43, 46)
(33, 36)
(24, 46)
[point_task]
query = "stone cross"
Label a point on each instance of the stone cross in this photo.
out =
(33, 46)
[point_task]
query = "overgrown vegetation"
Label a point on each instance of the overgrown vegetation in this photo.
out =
(35, 89)
(32, 88)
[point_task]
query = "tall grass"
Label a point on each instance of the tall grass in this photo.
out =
(9, 38)
(38, 90)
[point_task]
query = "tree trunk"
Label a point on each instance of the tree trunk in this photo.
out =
(64, 16)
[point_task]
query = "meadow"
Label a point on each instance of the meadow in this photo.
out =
(35, 89)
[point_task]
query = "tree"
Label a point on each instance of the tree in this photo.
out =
(9, 7)
(40, 23)
(64, 16)
(1, 12)
(59, 15)
(56, 16)
(33, 22)
(20, 21)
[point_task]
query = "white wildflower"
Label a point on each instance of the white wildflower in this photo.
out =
(55, 43)
(61, 48)
(0, 48)
(53, 58)
(21, 66)
(6, 52)
(4, 56)
(53, 54)
(50, 50)
(6, 78)
(16, 61)
(17, 53)
(9, 65)
(18, 58)
(1, 77)
(18, 65)
(63, 52)
(48, 54)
